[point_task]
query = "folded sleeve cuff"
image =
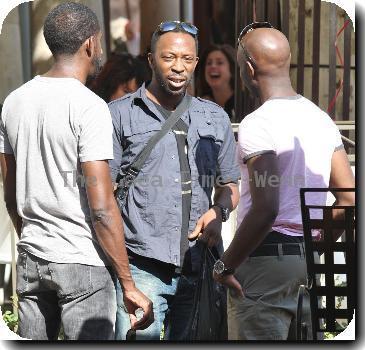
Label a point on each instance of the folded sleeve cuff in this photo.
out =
(255, 154)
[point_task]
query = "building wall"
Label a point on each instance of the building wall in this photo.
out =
(153, 12)
(11, 73)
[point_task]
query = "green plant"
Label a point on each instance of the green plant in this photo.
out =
(11, 320)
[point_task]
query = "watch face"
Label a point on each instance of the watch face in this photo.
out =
(225, 214)
(219, 267)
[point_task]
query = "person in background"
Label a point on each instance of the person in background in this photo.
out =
(216, 75)
(286, 144)
(121, 74)
(55, 143)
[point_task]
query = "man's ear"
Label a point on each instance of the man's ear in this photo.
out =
(89, 46)
(250, 70)
(150, 59)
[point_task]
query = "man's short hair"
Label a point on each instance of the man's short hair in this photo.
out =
(157, 34)
(67, 27)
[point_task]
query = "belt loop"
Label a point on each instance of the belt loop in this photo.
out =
(302, 254)
(280, 251)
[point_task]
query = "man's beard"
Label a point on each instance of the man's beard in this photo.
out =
(98, 66)
(165, 85)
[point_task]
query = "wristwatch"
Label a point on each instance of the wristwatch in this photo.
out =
(220, 269)
(224, 211)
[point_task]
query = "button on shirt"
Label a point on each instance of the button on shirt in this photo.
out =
(153, 210)
(180, 130)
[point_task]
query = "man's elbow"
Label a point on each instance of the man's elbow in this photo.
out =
(267, 213)
(11, 205)
(271, 214)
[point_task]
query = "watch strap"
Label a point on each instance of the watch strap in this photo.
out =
(223, 209)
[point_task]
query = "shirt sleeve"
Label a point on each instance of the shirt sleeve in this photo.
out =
(338, 139)
(95, 140)
(5, 146)
(228, 169)
(253, 140)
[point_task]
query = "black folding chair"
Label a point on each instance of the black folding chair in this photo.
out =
(331, 281)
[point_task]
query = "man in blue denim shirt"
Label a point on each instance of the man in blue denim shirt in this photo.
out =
(171, 196)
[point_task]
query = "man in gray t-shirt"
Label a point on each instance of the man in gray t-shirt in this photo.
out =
(55, 143)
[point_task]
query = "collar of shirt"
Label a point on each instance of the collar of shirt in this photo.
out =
(141, 94)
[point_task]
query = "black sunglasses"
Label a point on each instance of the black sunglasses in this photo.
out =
(245, 30)
(169, 26)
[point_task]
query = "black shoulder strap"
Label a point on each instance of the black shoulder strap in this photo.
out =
(166, 127)
(134, 169)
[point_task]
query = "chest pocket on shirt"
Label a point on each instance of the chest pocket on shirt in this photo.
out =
(207, 150)
(137, 138)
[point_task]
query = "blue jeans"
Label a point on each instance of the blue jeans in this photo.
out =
(172, 296)
(80, 297)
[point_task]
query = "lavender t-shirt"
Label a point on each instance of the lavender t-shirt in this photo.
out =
(304, 138)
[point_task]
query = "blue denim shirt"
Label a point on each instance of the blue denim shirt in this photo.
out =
(152, 213)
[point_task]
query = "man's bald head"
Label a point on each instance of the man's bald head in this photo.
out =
(269, 50)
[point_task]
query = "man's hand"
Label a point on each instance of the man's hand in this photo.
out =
(134, 299)
(208, 228)
(230, 282)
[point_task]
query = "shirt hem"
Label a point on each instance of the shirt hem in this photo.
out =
(61, 260)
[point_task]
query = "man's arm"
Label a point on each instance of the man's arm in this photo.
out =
(107, 222)
(259, 219)
(341, 177)
(8, 172)
(209, 226)
(263, 212)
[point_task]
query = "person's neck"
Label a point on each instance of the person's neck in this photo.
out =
(67, 68)
(275, 89)
(155, 93)
(222, 94)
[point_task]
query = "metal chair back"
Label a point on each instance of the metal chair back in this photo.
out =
(331, 279)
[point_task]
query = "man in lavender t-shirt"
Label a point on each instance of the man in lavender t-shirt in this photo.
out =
(286, 144)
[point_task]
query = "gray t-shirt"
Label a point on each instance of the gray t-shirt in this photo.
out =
(51, 125)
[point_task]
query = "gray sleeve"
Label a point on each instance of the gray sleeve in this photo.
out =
(95, 140)
(228, 169)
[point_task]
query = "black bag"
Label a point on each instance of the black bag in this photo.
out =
(208, 320)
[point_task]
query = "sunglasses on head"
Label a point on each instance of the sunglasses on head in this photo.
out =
(252, 26)
(247, 29)
(169, 26)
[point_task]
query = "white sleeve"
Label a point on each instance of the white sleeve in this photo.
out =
(96, 130)
(253, 140)
(338, 139)
(5, 146)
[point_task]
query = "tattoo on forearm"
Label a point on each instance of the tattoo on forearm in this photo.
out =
(100, 216)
